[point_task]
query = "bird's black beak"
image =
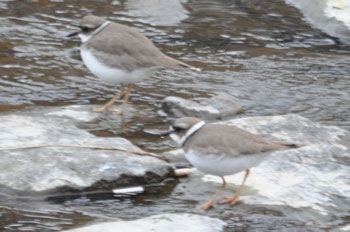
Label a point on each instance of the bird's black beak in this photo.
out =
(73, 34)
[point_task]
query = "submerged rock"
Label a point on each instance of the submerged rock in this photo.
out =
(42, 168)
(160, 223)
(218, 107)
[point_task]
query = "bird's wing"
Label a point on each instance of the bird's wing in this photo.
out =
(126, 48)
(231, 140)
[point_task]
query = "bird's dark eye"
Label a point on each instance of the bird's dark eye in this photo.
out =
(85, 29)
(177, 129)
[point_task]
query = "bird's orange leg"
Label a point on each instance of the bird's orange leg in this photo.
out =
(109, 103)
(125, 101)
(211, 202)
(233, 200)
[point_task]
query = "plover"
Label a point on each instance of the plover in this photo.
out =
(120, 54)
(222, 150)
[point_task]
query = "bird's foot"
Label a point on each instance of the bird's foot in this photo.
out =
(230, 200)
(116, 111)
(102, 109)
(98, 110)
(207, 206)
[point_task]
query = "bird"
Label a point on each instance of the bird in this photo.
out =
(119, 54)
(222, 150)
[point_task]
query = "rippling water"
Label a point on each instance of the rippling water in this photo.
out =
(260, 52)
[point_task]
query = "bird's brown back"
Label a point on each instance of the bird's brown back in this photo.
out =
(231, 140)
(125, 48)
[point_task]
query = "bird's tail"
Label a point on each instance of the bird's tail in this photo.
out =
(292, 145)
(187, 66)
(176, 64)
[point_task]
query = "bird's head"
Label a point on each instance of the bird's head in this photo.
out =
(88, 25)
(183, 128)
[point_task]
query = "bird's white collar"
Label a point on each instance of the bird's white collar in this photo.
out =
(85, 38)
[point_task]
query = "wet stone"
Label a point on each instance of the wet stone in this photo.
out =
(44, 169)
(331, 16)
(221, 106)
(160, 223)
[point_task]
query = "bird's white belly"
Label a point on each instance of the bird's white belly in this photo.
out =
(113, 75)
(223, 165)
